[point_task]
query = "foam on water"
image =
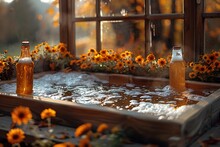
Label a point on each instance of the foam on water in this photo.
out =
(88, 89)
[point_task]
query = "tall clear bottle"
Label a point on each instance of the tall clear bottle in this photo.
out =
(177, 70)
(25, 71)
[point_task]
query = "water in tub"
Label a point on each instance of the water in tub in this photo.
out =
(161, 102)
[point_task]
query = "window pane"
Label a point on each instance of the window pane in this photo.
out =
(212, 35)
(166, 6)
(27, 20)
(122, 7)
(85, 8)
(85, 37)
(123, 35)
(168, 33)
(212, 6)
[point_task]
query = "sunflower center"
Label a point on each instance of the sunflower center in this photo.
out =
(15, 136)
(21, 115)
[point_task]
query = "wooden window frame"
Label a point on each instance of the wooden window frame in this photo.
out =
(193, 16)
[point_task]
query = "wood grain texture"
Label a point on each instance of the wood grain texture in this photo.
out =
(139, 127)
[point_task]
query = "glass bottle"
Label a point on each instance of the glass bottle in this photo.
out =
(177, 70)
(24, 71)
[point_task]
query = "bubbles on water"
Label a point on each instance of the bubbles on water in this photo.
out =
(88, 89)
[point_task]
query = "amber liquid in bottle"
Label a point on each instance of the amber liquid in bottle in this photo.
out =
(24, 71)
(177, 70)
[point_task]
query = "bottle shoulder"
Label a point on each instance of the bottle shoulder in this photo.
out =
(25, 60)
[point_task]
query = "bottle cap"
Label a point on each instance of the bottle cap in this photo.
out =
(25, 43)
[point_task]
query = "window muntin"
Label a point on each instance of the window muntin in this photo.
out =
(187, 19)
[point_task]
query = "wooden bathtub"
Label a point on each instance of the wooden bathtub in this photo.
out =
(139, 127)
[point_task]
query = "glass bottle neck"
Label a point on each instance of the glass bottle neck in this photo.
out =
(25, 50)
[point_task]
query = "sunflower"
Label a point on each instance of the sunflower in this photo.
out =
(85, 142)
(196, 67)
(212, 57)
(205, 57)
(129, 62)
(48, 113)
(92, 51)
(217, 64)
(203, 69)
(21, 115)
(15, 136)
(139, 59)
(84, 66)
(192, 75)
(72, 62)
(65, 144)
(119, 65)
(161, 62)
(103, 52)
(47, 48)
(62, 49)
(123, 55)
(98, 59)
(150, 58)
(82, 129)
(210, 68)
(128, 53)
(216, 54)
(102, 128)
(191, 64)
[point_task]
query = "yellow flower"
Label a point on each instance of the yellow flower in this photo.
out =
(65, 144)
(84, 66)
(119, 65)
(203, 69)
(102, 127)
(82, 129)
(85, 142)
(205, 57)
(210, 68)
(48, 113)
(97, 59)
(161, 62)
(216, 54)
(212, 57)
(10, 59)
(196, 67)
(129, 62)
(192, 75)
(92, 51)
(128, 53)
(123, 55)
(191, 64)
(15, 136)
(150, 58)
(72, 62)
(47, 48)
(21, 115)
(217, 64)
(139, 59)
(103, 52)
